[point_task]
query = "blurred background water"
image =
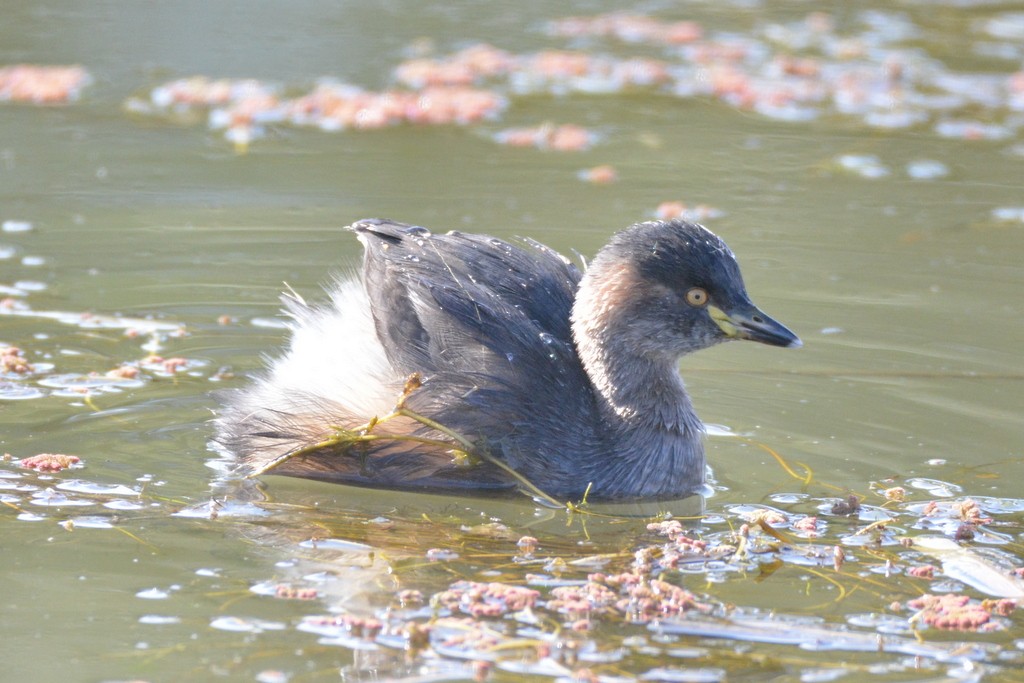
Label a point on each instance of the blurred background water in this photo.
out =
(904, 283)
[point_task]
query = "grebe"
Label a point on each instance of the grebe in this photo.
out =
(567, 378)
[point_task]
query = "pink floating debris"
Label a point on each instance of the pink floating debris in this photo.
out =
(953, 612)
(562, 71)
(466, 67)
(808, 525)
(123, 372)
(605, 174)
(49, 462)
(239, 107)
(42, 84)
(462, 106)
(972, 130)
(289, 592)
(167, 366)
(12, 360)
(527, 544)
(796, 71)
(203, 91)
(333, 106)
(674, 209)
(486, 599)
(564, 138)
(629, 28)
(926, 571)
(419, 73)
(338, 106)
(248, 109)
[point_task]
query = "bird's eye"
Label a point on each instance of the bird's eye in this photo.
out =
(697, 297)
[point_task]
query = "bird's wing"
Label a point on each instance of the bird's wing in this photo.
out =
(487, 323)
(438, 298)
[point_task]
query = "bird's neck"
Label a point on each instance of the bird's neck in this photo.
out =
(654, 439)
(638, 388)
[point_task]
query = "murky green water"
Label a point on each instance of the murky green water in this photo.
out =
(906, 292)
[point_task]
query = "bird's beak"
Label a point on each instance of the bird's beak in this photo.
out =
(748, 322)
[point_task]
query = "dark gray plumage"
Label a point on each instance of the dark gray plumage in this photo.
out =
(569, 379)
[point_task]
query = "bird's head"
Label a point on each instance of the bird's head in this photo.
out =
(673, 287)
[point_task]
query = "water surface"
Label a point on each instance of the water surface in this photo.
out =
(906, 291)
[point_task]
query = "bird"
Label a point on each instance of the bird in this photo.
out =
(461, 362)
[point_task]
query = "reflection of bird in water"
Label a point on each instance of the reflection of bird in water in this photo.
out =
(570, 379)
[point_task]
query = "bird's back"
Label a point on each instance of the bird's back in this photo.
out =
(486, 322)
(435, 297)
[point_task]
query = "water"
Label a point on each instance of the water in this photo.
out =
(905, 286)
